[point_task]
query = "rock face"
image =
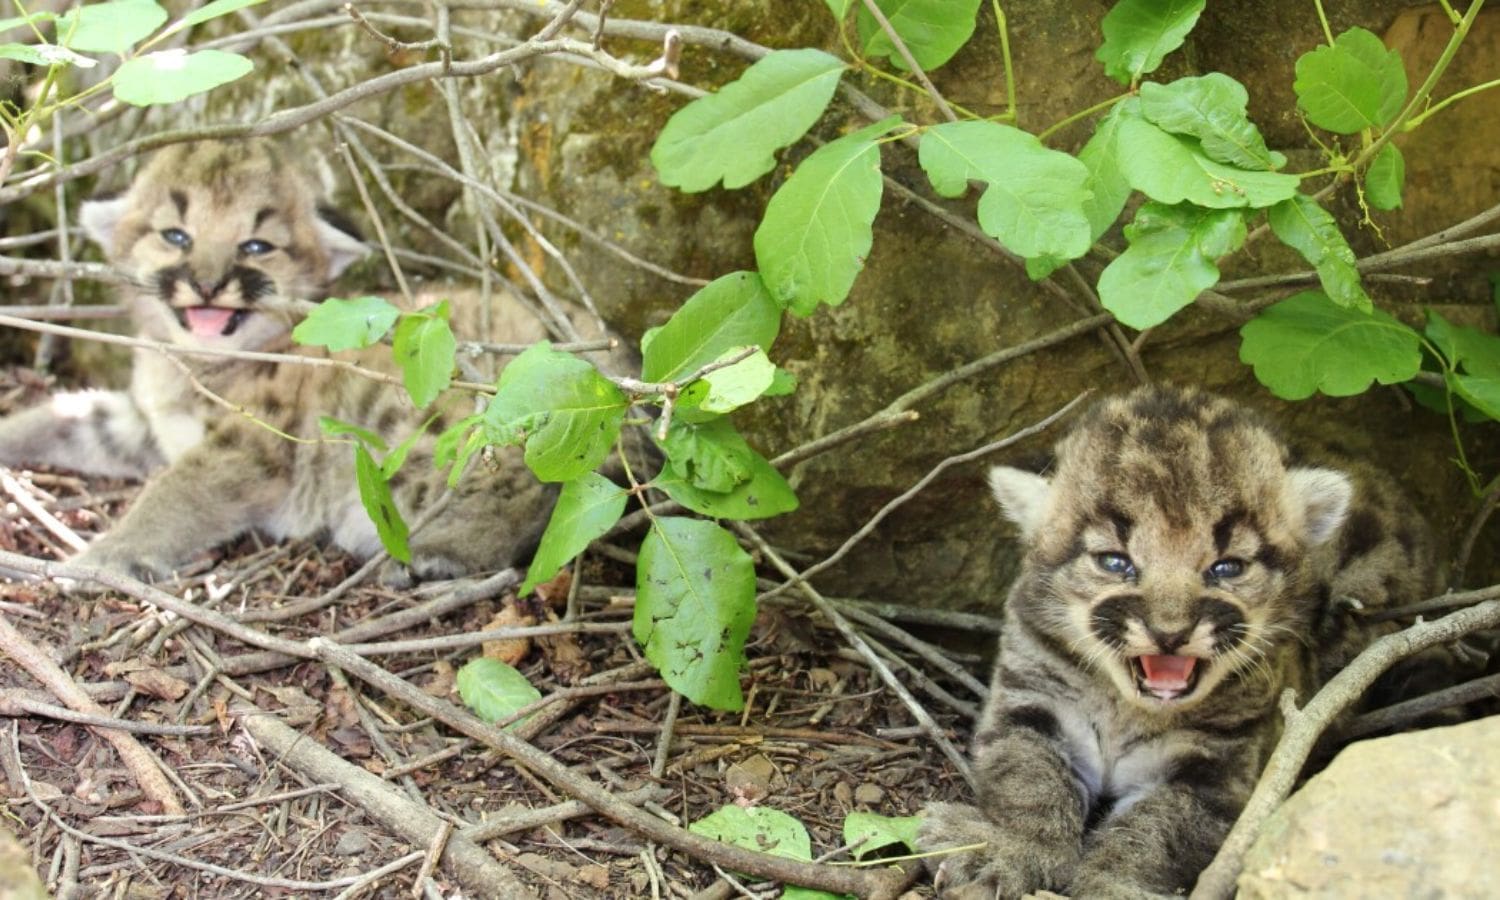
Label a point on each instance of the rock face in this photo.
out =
(1412, 815)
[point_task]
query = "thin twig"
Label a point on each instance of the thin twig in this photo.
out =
(872, 659)
(911, 61)
(143, 765)
(869, 527)
(16, 703)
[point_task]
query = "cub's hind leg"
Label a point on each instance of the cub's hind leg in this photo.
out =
(90, 432)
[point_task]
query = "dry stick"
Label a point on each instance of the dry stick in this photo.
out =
(900, 406)
(24, 498)
(871, 883)
(1441, 603)
(144, 766)
(51, 268)
(869, 527)
(928, 652)
(223, 353)
(1404, 713)
(54, 313)
(911, 61)
(286, 884)
(470, 864)
(548, 815)
(1305, 726)
(1466, 549)
(22, 703)
(540, 44)
(872, 659)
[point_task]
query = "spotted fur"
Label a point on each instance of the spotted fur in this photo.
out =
(1181, 571)
(224, 245)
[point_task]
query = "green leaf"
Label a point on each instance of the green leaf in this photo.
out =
(1033, 200)
(565, 412)
(380, 506)
(1138, 35)
(1474, 351)
(1107, 185)
(759, 828)
(1481, 393)
(1355, 84)
(425, 349)
(35, 18)
(336, 428)
(585, 509)
(711, 456)
(1306, 227)
(45, 55)
(1170, 168)
(168, 76)
(721, 455)
(212, 10)
(732, 135)
(1169, 262)
(110, 27)
(733, 386)
(494, 690)
(766, 830)
(695, 602)
(1308, 343)
(1386, 178)
(346, 324)
(397, 457)
(783, 383)
(867, 832)
(817, 229)
(933, 30)
(735, 310)
(1210, 108)
(446, 449)
(839, 8)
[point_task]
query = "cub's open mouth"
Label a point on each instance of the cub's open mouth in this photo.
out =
(211, 321)
(1166, 677)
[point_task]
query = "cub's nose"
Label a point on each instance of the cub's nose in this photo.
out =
(1169, 641)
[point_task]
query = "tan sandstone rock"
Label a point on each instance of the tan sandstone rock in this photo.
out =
(1412, 815)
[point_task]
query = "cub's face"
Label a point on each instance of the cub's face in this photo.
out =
(221, 241)
(1167, 543)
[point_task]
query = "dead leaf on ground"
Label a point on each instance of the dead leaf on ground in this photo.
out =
(512, 650)
(157, 683)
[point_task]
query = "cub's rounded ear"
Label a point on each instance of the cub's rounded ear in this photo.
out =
(1323, 495)
(1023, 496)
(341, 240)
(100, 215)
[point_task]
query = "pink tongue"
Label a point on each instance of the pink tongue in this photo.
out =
(1168, 672)
(208, 320)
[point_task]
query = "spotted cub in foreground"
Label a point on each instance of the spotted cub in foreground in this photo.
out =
(224, 247)
(1181, 570)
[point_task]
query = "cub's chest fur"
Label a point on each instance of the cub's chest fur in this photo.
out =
(225, 247)
(1182, 569)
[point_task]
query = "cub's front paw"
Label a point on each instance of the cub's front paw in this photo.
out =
(1010, 863)
(122, 559)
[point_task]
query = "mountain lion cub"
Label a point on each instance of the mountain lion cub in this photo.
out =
(222, 243)
(1181, 571)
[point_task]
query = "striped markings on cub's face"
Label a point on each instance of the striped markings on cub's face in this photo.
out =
(220, 239)
(1168, 540)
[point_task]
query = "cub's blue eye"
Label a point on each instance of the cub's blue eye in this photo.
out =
(176, 237)
(256, 247)
(1227, 568)
(1115, 563)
